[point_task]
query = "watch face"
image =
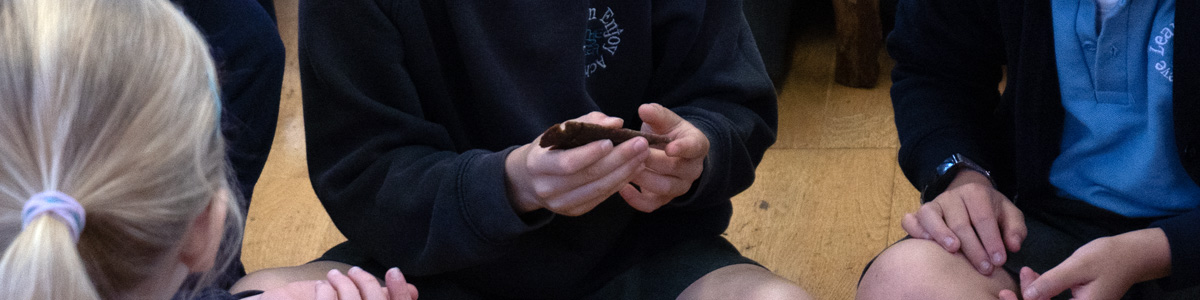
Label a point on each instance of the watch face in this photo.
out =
(945, 172)
(944, 167)
(947, 164)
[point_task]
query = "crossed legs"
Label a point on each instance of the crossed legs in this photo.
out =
(740, 281)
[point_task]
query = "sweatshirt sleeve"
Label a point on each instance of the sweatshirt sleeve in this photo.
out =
(708, 70)
(1183, 233)
(393, 182)
(948, 57)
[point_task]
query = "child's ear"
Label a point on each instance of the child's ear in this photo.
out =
(203, 238)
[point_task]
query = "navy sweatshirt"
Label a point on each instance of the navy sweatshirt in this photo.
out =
(410, 108)
(949, 56)
(249, 58)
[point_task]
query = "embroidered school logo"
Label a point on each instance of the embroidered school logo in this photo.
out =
(1160, 45)
(601, 39)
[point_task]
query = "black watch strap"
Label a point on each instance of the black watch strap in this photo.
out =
(947, 171)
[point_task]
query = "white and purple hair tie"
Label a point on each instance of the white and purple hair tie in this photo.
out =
(59, 205)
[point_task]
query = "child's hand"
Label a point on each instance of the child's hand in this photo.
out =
(973, 217)
(669, 172)
(360, 285)
(572, 182)
(1104, 268)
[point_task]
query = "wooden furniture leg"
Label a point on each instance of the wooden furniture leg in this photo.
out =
(858, 42)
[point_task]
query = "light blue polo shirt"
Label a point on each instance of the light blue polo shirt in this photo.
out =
(1114, 61)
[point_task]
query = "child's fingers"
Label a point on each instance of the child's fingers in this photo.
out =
(630, 153)
(642, 200)
(600, 118)
(397, 287)
(688, 169)
(662, 184)
(1012, 223)
(343, 285)
(367, 284)
(1007, 295)
(568, 162)
(958, 219)
(972, 248)
(913, 227)
(988, 231)
(932, 221)
(583, 198)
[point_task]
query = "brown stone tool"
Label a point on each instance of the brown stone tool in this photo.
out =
(571, 134)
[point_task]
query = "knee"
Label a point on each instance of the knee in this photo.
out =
(262, 280)
(743, 281)
(778, 289)
(266, 279)
(907, 270)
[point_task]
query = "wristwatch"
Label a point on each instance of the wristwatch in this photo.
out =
(947, 171)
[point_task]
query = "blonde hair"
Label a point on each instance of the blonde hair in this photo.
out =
(111, 102)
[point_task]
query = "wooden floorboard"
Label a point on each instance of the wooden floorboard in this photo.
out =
(286, 224)
(827, 198)
(804, 96)
(816, 216)
(905, 199)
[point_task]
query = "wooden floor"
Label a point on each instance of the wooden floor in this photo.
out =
(827, 198)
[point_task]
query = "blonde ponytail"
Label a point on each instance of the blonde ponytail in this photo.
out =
(109, 102)
(42, 263)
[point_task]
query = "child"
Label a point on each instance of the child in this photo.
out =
(113, 179)
(422, 121)
(1078, 181)
(128, 142)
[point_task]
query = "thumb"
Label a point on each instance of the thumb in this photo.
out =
(660, 119)
(1027, 277)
